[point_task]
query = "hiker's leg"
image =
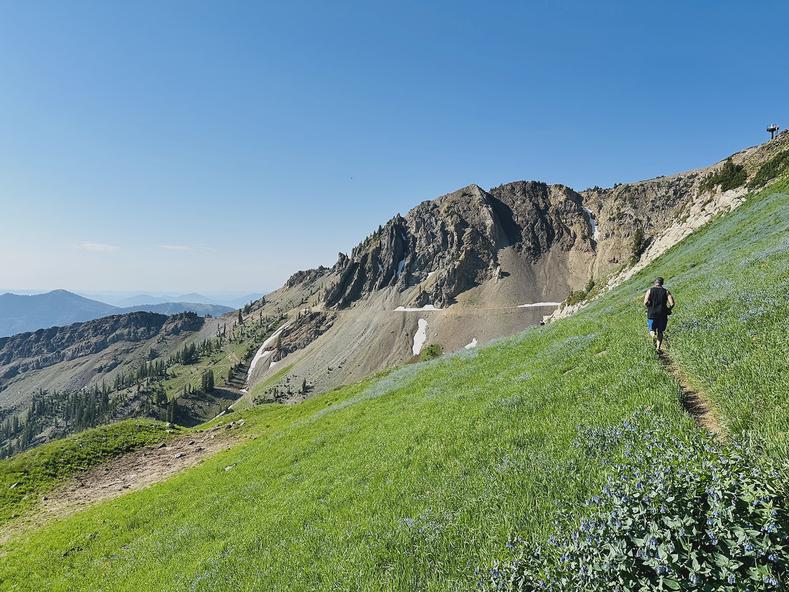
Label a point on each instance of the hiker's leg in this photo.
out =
(659, 341)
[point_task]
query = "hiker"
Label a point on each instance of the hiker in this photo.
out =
(659, 303)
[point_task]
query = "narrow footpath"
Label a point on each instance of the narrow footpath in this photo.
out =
(126, 473)
(695, 402)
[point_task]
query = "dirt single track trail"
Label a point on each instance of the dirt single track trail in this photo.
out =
(696, 403)
(129, 472)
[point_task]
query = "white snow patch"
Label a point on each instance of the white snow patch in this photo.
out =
(538, 304)
(262, 352)
(592, 223)
(425, 308)
(420, 336)
(401, 267)
(271, 340)
(471, 345)
(430, 273)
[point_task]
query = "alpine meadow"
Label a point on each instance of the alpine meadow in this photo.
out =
(394, 297)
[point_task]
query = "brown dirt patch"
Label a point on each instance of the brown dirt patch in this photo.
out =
(130, 472)
(695, 402)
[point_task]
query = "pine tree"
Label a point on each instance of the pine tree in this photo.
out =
(638, 244)
(171, 408)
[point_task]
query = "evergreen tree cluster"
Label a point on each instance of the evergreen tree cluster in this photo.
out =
(730, 176)
(191, 353)
(154, 369)
(207, 381)
(70, 411)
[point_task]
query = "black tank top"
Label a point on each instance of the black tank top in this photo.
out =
(657, 307)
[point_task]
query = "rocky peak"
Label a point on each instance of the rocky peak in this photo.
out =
(307, 276)
(458, 237)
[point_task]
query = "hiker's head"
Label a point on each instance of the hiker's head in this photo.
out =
(658, 281)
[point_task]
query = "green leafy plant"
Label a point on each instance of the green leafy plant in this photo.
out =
(638, 245)
(730, 176)
(679, 513)
(430, 352)
(577, 296)
(771, 169)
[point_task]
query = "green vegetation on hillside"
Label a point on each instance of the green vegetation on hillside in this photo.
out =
(430, 352)
(28, 475)
(224, 360)
(729, 332)
(730, 176)
(577, 296)
(693, 514)
(412, 480)
(771, 169)
(679, 513)
(164, 387)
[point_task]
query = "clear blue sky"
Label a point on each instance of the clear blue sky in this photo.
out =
(221, 146)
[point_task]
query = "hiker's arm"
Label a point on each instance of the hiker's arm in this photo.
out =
(670, 300)
(646, 298)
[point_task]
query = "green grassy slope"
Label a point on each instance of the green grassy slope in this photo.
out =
(730, 330)
(411, 480)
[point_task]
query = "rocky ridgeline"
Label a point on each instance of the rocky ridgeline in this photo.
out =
(45, 347)
(458, 237)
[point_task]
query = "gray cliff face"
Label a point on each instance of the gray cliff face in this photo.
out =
(304, 330)
(458, 237)
(651, 205)
(45, 347)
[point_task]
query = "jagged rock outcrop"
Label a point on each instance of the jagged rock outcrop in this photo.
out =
(306, 276)
(458, 237)
(302, 331)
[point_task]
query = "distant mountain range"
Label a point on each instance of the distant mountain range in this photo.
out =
(233, 301)
(19, 313)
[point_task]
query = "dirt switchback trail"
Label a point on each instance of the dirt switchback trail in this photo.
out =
(696, 403)
(124, 474)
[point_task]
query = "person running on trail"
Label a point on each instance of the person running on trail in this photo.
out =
(659, 303)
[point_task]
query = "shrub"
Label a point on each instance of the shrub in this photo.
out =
(577, 296)
(678, 514)
(589, 286)
(771, 169)
(638, 245)
(431, 351)
(728, 177)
